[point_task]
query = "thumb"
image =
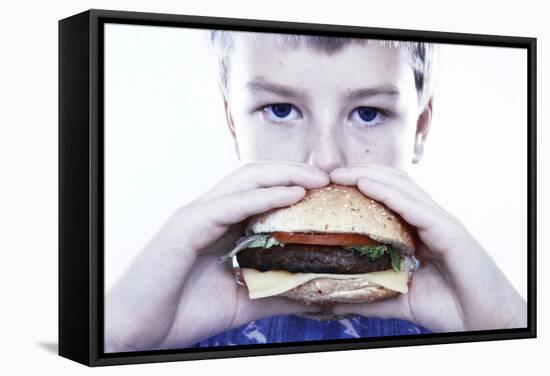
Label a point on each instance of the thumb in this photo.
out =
(227, 241)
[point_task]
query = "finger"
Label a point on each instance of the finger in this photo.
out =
(408, 207)
(236, 207)
(439, 231)
(227, 241)
(384, 174)
(265, 174)
(204, 222)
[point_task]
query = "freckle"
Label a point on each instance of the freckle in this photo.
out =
(367, 151)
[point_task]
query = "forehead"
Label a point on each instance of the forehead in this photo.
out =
(366, 64)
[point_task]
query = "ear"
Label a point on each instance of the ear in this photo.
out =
(422, 128)
(231, 126)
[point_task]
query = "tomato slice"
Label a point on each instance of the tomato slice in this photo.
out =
(342, 240)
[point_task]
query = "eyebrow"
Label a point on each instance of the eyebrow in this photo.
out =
(261, 85)
(386, 90)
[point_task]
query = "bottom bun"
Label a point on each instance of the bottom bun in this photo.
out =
(327, 290)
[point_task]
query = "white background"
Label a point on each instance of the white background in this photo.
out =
(166, 141)
(28, 189)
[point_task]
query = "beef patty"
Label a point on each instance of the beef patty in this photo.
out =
(297, 258)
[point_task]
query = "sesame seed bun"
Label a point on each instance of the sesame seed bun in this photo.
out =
(326, 290)
(338, 209)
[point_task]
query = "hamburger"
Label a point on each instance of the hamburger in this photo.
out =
(334, 246)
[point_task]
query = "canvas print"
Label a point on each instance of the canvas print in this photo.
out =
(267, 188)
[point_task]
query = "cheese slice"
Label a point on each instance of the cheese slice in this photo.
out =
(275, 282)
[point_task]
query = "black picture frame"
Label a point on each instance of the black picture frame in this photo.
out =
(81, 186)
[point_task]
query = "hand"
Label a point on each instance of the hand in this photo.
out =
(176, 293)
(458, 286)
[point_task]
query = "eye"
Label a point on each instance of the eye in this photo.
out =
(281, 112)
(368, 116)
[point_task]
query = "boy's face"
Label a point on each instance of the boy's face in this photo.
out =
(358, 105)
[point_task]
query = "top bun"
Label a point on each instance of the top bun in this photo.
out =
(338, 209)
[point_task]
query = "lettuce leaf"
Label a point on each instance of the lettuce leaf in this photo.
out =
(376, 251)
(395, 259)
(254, 241)
(372, 251)
(265, 241)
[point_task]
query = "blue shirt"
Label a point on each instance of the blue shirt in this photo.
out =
(292, 328)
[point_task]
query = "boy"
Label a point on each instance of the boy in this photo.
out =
(305, 111)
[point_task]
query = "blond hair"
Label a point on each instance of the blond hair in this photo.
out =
(421, 55)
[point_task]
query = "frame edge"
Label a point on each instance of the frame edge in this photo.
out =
(74, 161)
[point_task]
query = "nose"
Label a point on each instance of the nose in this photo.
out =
(325, 153)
